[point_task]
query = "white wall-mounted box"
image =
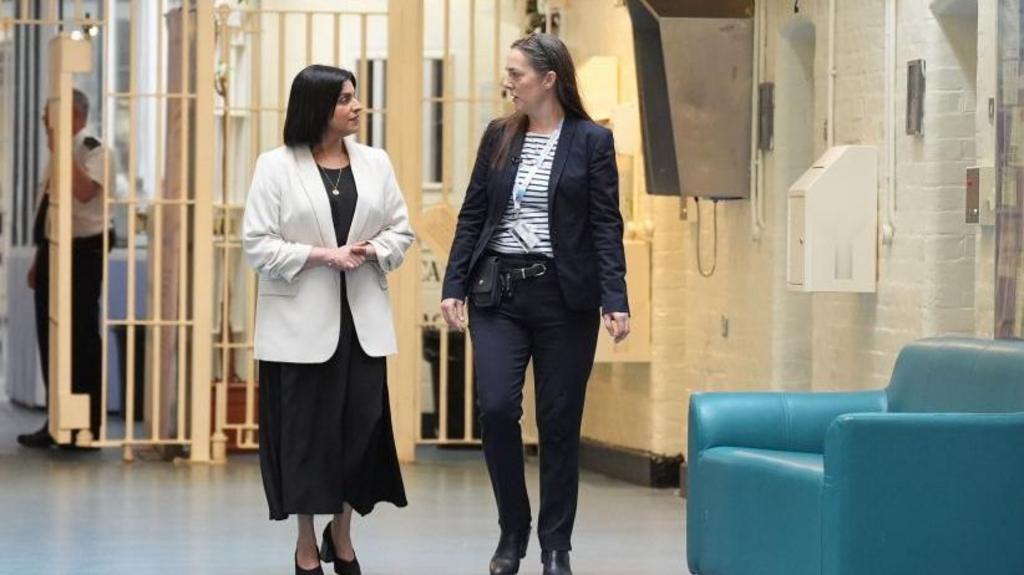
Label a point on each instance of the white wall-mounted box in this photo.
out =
(833, 223)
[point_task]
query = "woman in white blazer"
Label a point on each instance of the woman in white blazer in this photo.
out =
(324, 222)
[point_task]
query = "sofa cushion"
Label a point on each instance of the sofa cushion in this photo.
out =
(764, 509)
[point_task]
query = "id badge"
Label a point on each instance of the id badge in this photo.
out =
(525, 234)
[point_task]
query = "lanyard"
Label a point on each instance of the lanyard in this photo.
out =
(522, 184)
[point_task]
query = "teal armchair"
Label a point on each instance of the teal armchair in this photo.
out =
(924, 477)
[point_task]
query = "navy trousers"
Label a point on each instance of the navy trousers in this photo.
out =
(534, 322)
(86, 345)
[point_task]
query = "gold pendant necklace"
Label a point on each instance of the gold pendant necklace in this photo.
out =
(334, 186)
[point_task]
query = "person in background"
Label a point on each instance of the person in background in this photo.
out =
(87, 228)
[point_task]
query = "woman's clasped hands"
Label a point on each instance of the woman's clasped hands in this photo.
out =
(347, 257)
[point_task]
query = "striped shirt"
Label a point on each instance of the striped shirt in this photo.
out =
(534, 205)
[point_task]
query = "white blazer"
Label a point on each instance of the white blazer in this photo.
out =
(287, 213)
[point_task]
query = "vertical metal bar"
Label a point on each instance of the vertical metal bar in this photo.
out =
(472, 87)
(222, 23)
(187, 189)
(221, 413)
(337, 40)
(498, 73)
(182, 335)
(250, 379)
(220, 398)
(182, 338)
(405, 146)
(256, 92)
(202, 304)
(281, 43)
(468, 362)
(418, 394)
(220, 216)
(161, 90)
(446, 106)
(446, 185)
(243, 437)
(217, 235)
(250, 288)
(418, 388)
(442, 407)
(364, 84)
(255, 138)
(133, 86)
(104, 282)
(309, 38)
(60, 252)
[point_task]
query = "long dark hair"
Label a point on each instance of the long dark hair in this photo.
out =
(311, 103)
(546, 53)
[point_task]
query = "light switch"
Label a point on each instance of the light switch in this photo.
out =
(971, 199)
(980, 196)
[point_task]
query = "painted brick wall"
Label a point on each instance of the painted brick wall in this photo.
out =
(741, 329)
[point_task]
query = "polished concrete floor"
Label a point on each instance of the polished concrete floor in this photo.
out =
(88, 513)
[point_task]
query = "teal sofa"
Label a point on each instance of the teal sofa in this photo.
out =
(925, 477)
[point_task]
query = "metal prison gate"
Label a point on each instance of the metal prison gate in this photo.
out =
(143, 59)
(190, 92)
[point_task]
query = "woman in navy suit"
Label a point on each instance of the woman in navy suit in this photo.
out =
(538, 254)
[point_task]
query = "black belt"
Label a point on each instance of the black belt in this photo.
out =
(511, 275)
(89, 242)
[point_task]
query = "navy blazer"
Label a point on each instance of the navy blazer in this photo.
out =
(583, 216)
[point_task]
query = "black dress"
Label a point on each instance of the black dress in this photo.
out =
(325, 429)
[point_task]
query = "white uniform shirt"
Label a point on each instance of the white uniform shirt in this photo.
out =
(86, 217)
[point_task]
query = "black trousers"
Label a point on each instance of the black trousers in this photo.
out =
(534, 322)
(86, 345)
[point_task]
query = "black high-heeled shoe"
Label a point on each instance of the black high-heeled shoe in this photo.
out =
(300, 571)
(327, 555)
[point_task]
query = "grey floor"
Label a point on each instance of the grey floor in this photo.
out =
(84, 513)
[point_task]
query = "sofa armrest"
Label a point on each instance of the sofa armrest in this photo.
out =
(924, 493)
(779, 421)
(782, 421)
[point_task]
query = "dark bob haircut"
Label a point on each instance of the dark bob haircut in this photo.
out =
(314, 95)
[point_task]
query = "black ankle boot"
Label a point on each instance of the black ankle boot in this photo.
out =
(511, 548)
(555, 562)
(327, 555)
